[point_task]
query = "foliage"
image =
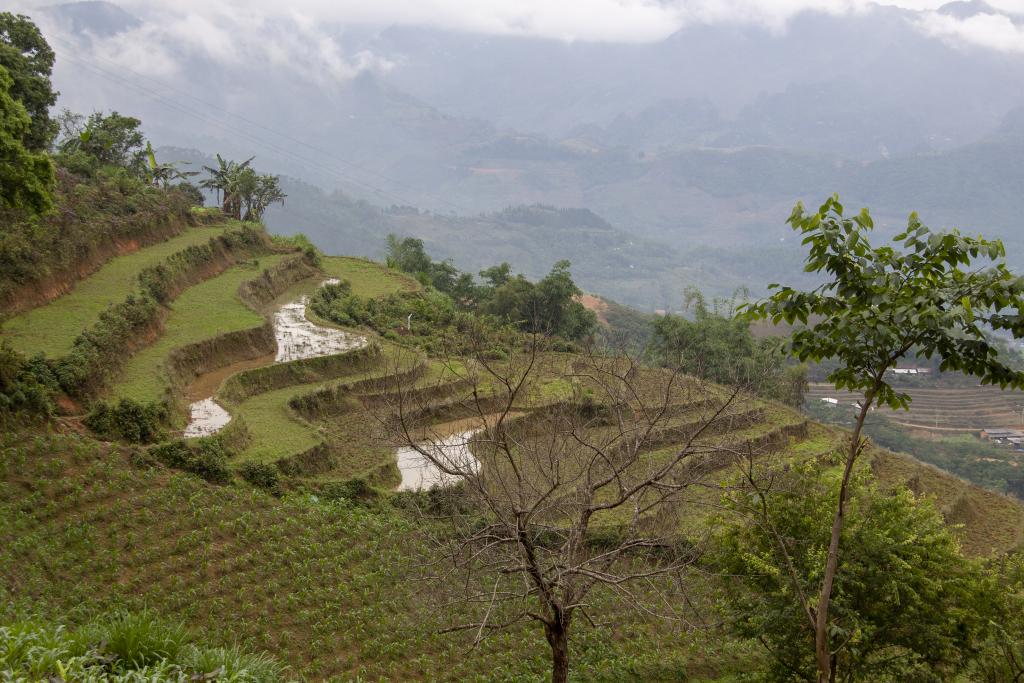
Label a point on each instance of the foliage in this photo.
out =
(1001, 659)
(93, 215)
(337, 591)
(128, 420)
(100, 350)
(407, 255)
(302, 242)
(206, 458)
(122, 647)
(101, 141)
(28, 59)
(262, 475)
(906, 606)
(26, 385)
(881, 303)
(26, 177)
(192, 194)
(246, 194)
(162, 173)
(547, 307)
(163, 281)
(257, 192)
(965, 456)
(428, 320)
(876, 305)
(721, 348)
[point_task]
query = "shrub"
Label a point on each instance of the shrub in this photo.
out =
(163, 281)
(262, 475)
(128, 420)
(206, 458)
(350, 491)
(91, 214)
(100, 350)
(27, 386)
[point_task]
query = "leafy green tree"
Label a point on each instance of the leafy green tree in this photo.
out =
(191, 192)
(547, 307)
(711, 345)
(258, 192)
(721, 348)
(498, 275)
(104, 140)
(907, 607)
(407, 255)
(224, 180)
(28, 59)
(26, 177)
(162, 173)
(877, 305)
(1001, 658)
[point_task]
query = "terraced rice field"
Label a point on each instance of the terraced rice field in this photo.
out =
(342, 590)
(52, 328)
(945, 409)
(201, 311)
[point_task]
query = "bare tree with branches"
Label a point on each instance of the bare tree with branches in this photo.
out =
(572, 468)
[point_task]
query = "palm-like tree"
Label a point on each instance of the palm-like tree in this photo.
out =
(226, 180)
(265, 191)
(162, 174)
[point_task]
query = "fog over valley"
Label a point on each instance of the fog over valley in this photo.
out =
(687, 129)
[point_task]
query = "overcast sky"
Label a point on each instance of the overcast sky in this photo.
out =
(301, 33)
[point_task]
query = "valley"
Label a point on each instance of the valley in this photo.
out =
(494, 344)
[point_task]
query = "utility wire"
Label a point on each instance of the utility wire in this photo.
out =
(247, 135)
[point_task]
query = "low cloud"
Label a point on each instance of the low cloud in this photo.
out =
(989, 30)
(307, 37)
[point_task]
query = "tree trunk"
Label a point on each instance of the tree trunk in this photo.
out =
(822, 653)
(558, 639)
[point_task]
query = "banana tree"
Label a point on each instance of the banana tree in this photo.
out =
(161, 174)
(225, 181)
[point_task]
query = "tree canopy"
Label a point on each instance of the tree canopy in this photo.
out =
(28, 59)
(720, 347)
(548, 306)
(103, 140)
(246, 194)
(880, 303)
(907, 605)
(26, 177)
(877, 305)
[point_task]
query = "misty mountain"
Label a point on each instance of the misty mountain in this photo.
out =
(693, 149)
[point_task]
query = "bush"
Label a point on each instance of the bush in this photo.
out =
(435, 325)
(262, 475)
(206, 458)
(128, 420)
(96, 353)
(27, 386)
(91, 215)
(350, 491)
(162, 282)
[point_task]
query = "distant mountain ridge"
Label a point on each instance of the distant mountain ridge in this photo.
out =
(697, 145)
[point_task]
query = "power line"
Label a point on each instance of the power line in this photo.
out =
(248, 135)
